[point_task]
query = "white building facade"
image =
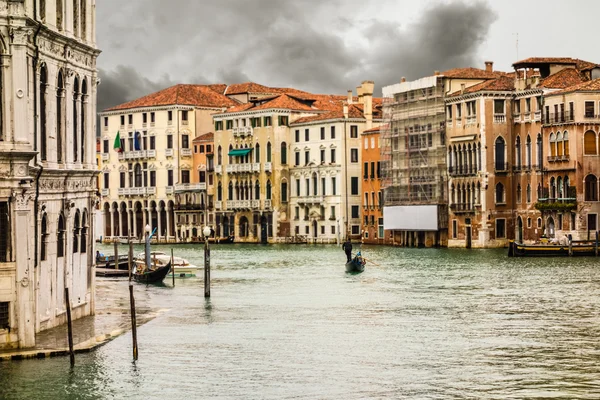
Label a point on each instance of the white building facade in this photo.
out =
(47, 165)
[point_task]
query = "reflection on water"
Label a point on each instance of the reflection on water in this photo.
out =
(288, 322)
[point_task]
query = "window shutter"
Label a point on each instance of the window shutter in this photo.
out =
(589, 143)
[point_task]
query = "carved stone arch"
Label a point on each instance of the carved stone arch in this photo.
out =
(84, 85)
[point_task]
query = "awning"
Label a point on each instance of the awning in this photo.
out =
(239, 152)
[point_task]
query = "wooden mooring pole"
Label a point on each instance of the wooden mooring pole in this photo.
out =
(172, 267)
(132, 303)
(206, 268)
(69, 327)
(116, 243)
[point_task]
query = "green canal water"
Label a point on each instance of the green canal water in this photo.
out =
(286, 322)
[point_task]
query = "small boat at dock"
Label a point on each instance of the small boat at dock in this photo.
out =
(154, 274)
(553, 249)
(181, 266)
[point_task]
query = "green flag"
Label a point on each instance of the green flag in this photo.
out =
(117, 145)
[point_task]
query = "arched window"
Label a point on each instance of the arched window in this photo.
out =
(83, 114)
(591, 188)
(589, 143)
(284, 192)
(518, 152)
(315, 184)
(283, 153)
(499, 152)
(219, 192)
(138, 175)
(268, 190)
(268, 151)
(450, 162)
(540, 152)
(559, 185)
(257, 153)
(230, 191)
(566, 184)
(256, 191)
(75, 115)
(566, 143)
(59, 117)
(44, 239)
(519, 193)
(43, 115)
(230, 157)
(76, 18)
(60, 238)
(499, 193)
(528, 152)
(76, 232)
(552, 144)
(552, 188)
(528, 193)
(219, 155)
(83, 238)
(559, 144)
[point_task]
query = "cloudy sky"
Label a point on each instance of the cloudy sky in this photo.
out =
(325, 46)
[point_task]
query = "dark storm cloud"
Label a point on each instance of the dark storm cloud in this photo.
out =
(319, 46)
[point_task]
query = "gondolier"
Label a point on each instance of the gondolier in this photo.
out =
(347, 247)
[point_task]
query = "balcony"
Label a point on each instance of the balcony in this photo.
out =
(256, 167)
(310, 199)
(151, 191)
(136, 191)
(255, 204)
(267, 204)
(461, 170)
(499, 118)
(218, 205)
(185, 152)
(169, 189)
(219, 169)
(105, 192)
(105, 156)
(537, 116)
(190, 187)
(239, 204)
(169, 152)
(517, 117)
(500, 167)
(471, 120)
(137, 154)
(242, 131)
(527, 117)
(268, 167)
(230, 168)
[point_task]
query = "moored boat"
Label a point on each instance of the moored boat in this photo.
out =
(154, 274)
(108, 262)
(181, 266)
(357, 264)
(549, 249)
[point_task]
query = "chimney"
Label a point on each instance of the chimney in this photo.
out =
(403, 80)
(349, 96)
(436, 73)
(367, 90)
(489, 66)
(359, 93)
(462, 88)
(345, 111)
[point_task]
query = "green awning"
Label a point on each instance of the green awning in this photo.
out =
(239, 152)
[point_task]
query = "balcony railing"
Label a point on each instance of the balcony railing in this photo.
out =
(185, 152)
(105, 192)
(537, 116)
(169, 152)
(268, 167)
(527, 117)
(218, 205)
(517, 117)
(136, 191)
(458, 208)
(499, 118)
(169, 189)
(267, 204)
(184, 187)
(105, 156)
(461, 170)
(242, 131)
(137, 154)
(564, 157)
(310, 199)
(256, 167)
(559, 118)
(501, 167)
(219, 169)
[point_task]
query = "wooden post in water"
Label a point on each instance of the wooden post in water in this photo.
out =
(570, 247)
(133, 322)
(130, 258)
(596, 246)
(206, 268)
(116, 254)
(69, 327)
(172, 267)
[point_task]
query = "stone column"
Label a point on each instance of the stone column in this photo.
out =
(112, 222)
(24, 269)
(168, 223)
(159, 210)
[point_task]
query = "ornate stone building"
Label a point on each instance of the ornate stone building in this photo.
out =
(47, 164)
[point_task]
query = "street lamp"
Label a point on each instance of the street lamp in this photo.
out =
(206, 231)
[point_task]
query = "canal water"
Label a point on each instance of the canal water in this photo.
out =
(286, 322)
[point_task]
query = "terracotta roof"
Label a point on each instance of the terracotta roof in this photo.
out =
(471, 73)
(353, 112)
(207, 137)
(218, 87)
(188, 95)
(589, 86)
(282, 101)
(579, 64)
(563, 79)
(503, 83)
(247, 87)
(376, 129)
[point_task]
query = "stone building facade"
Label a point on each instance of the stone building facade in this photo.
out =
(47, 165)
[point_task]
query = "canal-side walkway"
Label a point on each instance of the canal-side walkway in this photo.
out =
(111, 320)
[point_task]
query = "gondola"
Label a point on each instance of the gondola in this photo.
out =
(357, 264)
(155, 275)
(108, 262)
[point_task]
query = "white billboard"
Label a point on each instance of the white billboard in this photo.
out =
(411, 218)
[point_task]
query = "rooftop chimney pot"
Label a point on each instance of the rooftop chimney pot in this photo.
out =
(489, 66)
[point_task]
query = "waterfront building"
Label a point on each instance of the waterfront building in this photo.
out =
(325, 194)
(372, 198)
(148, 172)
(413, 154)
(47, 165)
(481, 184)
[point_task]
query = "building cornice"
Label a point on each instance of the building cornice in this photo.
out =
(156, 108)
(482, 94)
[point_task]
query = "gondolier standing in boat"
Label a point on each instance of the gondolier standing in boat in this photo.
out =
(347, 247)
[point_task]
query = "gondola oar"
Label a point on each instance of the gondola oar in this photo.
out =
(366, 259)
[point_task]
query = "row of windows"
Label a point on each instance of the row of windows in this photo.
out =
(79, 240)
(254, 122)
(379, 199)
(312, 183)
(79, 16)
(353, 133)
(366, 170)
(322, 215)
(332, 157)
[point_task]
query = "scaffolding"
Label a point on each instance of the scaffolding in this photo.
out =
(414, 144)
